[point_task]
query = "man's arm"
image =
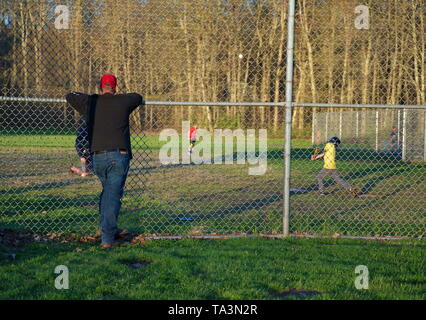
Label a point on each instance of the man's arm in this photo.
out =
(79, 101)
(135, 100)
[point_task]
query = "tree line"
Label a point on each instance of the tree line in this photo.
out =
(216, 50)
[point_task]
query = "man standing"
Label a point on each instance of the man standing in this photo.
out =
(329, 168)
(109, 138)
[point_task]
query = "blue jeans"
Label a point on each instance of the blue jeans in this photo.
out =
(111, 168)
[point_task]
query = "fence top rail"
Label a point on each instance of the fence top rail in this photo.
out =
(222, 104)
(353, 105)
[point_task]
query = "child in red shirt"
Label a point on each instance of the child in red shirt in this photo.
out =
(192, 137)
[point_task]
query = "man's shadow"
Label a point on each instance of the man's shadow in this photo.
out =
(370, 184)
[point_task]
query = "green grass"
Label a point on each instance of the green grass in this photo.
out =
(245, 268)
(36, 192)
(63, 141)
(67, 141)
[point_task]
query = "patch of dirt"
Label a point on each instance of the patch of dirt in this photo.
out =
(12, 239)
(15, 239)
(136, 264)
(139, 264)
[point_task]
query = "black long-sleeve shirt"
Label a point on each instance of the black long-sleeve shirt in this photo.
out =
(108, 116)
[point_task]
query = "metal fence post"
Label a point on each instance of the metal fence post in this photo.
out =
(404, 133)
(398, 136)
(424, 147)
(326, 124)
(288, 116)
(357, 126)
(377, 130)
(313, 128)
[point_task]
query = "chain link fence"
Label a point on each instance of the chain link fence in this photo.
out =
(359, 72)
(399, 132)
(381, 155)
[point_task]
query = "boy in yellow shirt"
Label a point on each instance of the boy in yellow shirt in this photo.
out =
(329, 168)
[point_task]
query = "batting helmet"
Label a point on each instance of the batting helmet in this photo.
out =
(334, 140)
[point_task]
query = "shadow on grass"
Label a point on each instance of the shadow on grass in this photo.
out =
(373, 182)
(40, 215)
(239, 208)
(136, 171)
(85, 223)
(30, 174)
(16, 206)
(275, 154)
(265, 198)
(387, 172)
(376, 200)
(44, 186)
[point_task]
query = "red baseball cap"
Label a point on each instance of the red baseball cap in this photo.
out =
(109, 79)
